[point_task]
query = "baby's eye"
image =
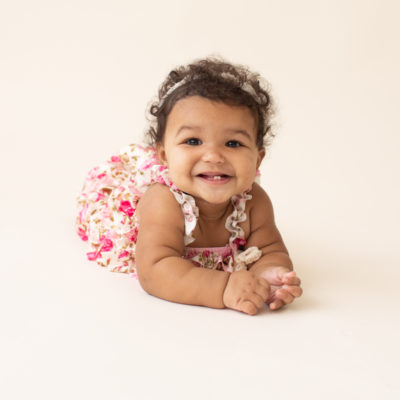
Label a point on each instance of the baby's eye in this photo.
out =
(233, 143)
(193, 142)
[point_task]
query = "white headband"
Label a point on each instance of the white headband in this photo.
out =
(245, 87)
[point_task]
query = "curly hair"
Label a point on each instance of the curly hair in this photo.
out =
(218, 80)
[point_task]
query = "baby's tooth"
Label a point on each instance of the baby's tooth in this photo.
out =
(217, 177)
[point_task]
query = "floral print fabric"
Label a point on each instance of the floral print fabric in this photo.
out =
(107, 213)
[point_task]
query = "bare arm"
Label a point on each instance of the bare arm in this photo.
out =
(161, 270)
(264, 233)
(274, 265)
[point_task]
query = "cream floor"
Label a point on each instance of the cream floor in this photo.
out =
(74, 330)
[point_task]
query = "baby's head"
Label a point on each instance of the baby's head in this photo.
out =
(211, 124)
(216, 80)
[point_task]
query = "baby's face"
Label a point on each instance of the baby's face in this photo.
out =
(210, 149)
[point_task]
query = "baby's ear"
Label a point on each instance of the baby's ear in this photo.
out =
(161, 153)
(261, 155)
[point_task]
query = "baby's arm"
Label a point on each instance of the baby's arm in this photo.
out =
(164, 273)
(275, 264)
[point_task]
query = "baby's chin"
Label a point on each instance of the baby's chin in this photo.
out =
(212, 200)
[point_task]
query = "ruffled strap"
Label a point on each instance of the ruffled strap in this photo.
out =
(237, 240)
(190, 212)
(238, 215)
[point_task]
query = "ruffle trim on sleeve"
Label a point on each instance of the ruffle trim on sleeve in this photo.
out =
(190, 212)
(242, 258)
(238, 215)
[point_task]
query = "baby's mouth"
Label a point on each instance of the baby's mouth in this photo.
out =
(214, 177)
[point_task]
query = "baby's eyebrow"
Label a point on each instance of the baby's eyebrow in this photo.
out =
(183, 127)
(240, 132)
(229, 130)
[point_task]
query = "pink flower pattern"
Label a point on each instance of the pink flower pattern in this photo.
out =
(126, 208)
(107, 213)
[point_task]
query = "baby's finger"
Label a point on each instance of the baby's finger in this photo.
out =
(263, 290)
(284, 295)
(248, 307)
(276, 305)
(291, 278)
(263, 282)
(295, 291)
(256, 299)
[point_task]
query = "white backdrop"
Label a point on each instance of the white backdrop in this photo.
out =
(75, 80)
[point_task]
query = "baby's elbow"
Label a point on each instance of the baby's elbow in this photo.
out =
(144, 277)
(148, 275)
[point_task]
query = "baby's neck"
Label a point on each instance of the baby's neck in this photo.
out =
(209, 212)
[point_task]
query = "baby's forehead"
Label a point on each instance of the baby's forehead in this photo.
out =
(199, 111)
(196, 101)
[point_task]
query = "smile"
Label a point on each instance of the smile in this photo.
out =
(214, 178)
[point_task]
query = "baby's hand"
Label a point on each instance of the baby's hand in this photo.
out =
(285, 286)
(246, 292)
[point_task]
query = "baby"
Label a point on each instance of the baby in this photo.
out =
(185, 214)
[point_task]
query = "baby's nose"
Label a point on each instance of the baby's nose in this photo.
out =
(213, 155)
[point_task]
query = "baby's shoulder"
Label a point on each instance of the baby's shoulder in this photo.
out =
(259, 206)
(258, 195)
(158, 204)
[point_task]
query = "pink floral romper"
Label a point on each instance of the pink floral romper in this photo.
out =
(107, 214)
